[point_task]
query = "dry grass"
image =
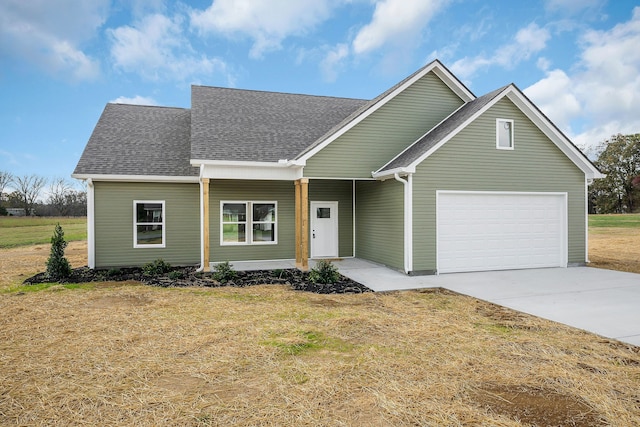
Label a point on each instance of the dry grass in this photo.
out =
(126, 354)
(615, 248)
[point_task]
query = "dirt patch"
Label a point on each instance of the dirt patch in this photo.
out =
(115, 301)
(538, 407)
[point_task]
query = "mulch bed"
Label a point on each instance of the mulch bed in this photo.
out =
(187, 276)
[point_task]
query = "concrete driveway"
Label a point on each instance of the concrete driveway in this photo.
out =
(601, 301)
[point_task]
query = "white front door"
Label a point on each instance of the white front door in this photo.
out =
(324, 229)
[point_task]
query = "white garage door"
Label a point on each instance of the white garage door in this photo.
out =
(500, 231)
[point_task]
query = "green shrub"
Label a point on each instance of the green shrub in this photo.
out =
(324, 272)
(156, 268)
(58, 266)
(176, 275)
(224, 272)
(112, 272)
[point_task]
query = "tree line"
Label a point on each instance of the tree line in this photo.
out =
(619, 192)
(62, 199)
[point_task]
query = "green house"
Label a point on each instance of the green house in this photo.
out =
(425, 178)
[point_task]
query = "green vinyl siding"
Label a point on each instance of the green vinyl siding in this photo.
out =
(385, 133)
(282, 192)
(471, 162)
(114, 223)
(341, 192)
(380, 222)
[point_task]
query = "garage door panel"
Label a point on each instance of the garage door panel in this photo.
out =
(497, 231)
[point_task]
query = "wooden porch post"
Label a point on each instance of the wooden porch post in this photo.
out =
(205, 224)
(302, 224)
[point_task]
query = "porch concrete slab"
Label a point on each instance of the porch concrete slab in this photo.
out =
(605, 302)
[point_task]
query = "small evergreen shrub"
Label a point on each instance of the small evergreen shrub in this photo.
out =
(224, 272)
(112, 272)
(58, 266)
(156, 268)
(176, 275)
(324, 272)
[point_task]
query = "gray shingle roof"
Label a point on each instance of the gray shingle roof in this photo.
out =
(441, 131)
(245, 125)
(139, 140)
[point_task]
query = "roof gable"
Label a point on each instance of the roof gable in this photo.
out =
(378, 102)
(407, 161)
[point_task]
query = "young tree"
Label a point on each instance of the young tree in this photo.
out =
(28, 188)
(619, 160)
(58, 266)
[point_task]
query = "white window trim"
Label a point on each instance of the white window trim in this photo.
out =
(163, 223)
(249, 222)
(499, 122)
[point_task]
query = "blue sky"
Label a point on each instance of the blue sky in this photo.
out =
(61, 61)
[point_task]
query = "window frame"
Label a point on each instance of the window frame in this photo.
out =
(248, 222)
(163, 223)
(499, 124)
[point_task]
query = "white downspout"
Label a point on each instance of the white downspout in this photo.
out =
(91, 240)
(408, 221)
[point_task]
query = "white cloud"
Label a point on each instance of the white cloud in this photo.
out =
(527, 42)
(49, 34)
(605, 83)
(136, 100)
(267, 22)
(553, 95)
(333, 61)
(396, 22)
(156, 48)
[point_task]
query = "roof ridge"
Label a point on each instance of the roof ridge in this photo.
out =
(277, 92)
(147, 106)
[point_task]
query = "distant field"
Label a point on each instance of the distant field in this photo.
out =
(24, 231)
(615, 220)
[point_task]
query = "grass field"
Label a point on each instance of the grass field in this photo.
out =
(128, 354)
(614, 221)
(23, 231)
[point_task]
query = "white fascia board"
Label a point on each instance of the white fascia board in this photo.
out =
(391, 172)
(557, 137)
(137, 178)
(438, 69)
(257, 171)
(227, 163)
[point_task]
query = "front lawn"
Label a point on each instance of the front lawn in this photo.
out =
(128, 354)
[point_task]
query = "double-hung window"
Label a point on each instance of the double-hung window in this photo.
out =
(504, 134)
(148, 224)
(248, 223)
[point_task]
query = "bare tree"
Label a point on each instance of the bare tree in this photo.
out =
(59, 190)
(28, 188)
(5, 179)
